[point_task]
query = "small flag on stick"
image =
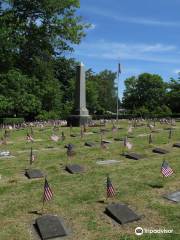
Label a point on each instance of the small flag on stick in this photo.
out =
(110, 188)
(48, 194)
(32, 157)
(166, 170)
(127, 143)
(150, 138)
(170, 133)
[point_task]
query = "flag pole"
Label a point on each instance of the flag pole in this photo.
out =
(118, 73)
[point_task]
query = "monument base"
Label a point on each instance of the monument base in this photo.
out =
(78, 120)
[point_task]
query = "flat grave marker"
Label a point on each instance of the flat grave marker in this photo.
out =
(106, 141)
(175, 196)
(177, 145)
(121, 213)
(107, 162)
(119, 139)
(160, 150)
(50, 226)
(89, 144)
(133, 156)
(33, 173)
(74, 168)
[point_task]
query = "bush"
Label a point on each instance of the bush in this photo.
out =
(11, 120)
(43, 116)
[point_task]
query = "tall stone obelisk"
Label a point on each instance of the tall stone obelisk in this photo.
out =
(80, 114)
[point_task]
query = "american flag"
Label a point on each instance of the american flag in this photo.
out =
(127, 143)
(166, 170)
(110, 188)
(48, 194)
(29, 138)
(32, 157)
(150, 138)
(54, 138)
(170, 134)
(130, 130)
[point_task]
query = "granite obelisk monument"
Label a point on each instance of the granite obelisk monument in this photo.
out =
(80, 114)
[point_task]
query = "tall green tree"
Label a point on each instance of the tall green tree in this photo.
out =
(146, 92)
(34, 36)
(173, 95)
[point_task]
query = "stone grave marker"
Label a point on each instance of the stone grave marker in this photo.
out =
(119, 139)
(175, 196)
(89, 144)
(33, 173)
(160, 150)
(74, 168)
(177, 145)
(107, 162)
(121, 213)
(50, 226)
(133, 156)
(106, 141)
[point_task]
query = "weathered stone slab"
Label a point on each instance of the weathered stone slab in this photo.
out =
(119, 139)
(33, 173)
(133, 156)
(73, 135)
(4, 153)
(50, 227)
(74, 168)
(106, 141)
(89, 144)
(160, 150)
(177, 145)
(121, 213)
(107, 162)
(175, 196)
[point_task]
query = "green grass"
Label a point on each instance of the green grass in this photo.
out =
(79, 198)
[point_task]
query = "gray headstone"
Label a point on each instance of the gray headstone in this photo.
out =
(160, 150)
(121, 213)
(89, 144)
(176, 145)
(50, 227)
(175, 196)
(34, 173)
(133, 156)
(74, 168)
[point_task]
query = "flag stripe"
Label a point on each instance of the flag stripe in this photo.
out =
(48, 194)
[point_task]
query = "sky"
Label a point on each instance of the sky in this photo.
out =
(141, 35)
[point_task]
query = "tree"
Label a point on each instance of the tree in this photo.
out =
(147, 90)
(35, 35)
(173, 95)
(107, 95)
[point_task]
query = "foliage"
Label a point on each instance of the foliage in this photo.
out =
(11, 120)
(147, 95)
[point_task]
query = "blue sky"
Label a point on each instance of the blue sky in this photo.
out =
(143, 35)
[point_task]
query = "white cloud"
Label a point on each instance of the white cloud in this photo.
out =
(133, 20)
(128, 51)
(176, 71)
(92, 27)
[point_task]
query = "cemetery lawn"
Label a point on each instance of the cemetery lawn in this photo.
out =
(80, 199)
